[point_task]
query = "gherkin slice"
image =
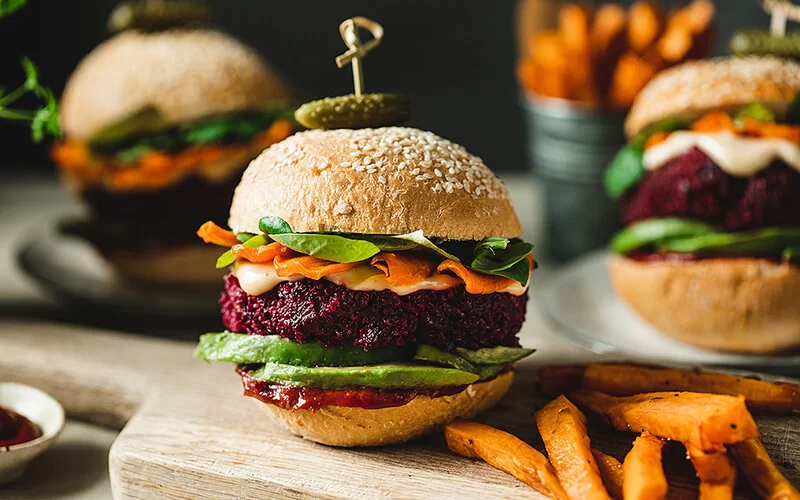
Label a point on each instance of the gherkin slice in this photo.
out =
(157, 16)
(352, 111)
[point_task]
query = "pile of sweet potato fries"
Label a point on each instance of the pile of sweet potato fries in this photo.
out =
(708, 413)
(608, 56)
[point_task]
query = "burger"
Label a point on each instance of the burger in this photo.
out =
(377, 286)
(159, 126)
(709, 187)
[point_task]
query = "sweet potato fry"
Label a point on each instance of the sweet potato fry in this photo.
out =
(761, 472)
(643, 472)
(608, 40)
(573, 24)
(705, 421)
(563, 430)
(620, 379)
(505, 452)
(549, 52)
(560, 379)
(675, 44)
(716, 471)
(611, 472)
(645, 24)
(630, 76)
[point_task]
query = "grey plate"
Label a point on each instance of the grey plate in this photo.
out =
(71, 270)
(579, 301)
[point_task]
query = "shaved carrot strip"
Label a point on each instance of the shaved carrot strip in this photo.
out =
(258, 255)
(309, 266)
(158, 169)
(770, 130)
(478, 283)
(403, 268)
(656, 138)
(716, 121)
(209, 232)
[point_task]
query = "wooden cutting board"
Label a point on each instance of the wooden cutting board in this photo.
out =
(187, 432)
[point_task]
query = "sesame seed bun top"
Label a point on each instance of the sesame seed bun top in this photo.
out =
(692, 89)
(185, 74)
(391, 180)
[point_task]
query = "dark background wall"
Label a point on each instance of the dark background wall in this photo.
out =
(455, 58)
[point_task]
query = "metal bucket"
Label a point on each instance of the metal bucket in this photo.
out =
(569, 147)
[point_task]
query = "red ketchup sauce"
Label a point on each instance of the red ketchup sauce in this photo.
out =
(313, 398)
(16, 429)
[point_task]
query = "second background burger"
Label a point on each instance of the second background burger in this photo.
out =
(159, 122)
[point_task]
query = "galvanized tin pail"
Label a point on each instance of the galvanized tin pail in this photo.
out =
(569, 147)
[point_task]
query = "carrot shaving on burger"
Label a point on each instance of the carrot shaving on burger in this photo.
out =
(211, 233)
(309, 266)
(157, 169)
(403, 268)
(478, 283)
(719, 121)
(258, 255)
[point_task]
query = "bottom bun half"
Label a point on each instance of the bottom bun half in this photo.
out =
(346, 426)
(190, 264)
(739, 305)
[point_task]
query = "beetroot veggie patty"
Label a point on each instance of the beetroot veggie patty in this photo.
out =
(693, 186)
(320, 311)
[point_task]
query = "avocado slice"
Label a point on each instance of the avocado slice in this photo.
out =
(653, 231)
(771, 241)
(386, 376)
(247, 349)
(500, 355)
(495, 359)
(434, 355)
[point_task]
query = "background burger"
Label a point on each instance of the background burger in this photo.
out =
(378, 285)
(709, 187)
(159, 126)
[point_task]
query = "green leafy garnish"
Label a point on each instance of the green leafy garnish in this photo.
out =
(44, 120)
(655, 231)
(146, 130)
(227, 258)
(754, 111)
(407, 241)
(328, 246)
(627, 167)
(273, 225)
(8, 7)
(486, 362)
(503, 257)
(497, 256)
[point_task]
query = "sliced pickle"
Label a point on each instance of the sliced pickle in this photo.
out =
(762, 42)
(145, 121)
(352, 111)
(157, 15)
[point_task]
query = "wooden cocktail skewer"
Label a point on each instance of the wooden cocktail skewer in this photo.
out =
(356, 48)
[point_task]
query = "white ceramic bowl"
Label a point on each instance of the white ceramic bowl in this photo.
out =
(41, 409)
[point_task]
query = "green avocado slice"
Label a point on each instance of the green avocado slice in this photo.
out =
(766, 241)
(387, 376)
(655, 231)
(247, 349)
(500, 355)
(434, 355)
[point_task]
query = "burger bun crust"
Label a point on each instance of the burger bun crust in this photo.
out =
(692, 89)
(743, 305)
(391, 180)
(349, 427)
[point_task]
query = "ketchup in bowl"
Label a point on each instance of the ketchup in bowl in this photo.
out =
(16, 429)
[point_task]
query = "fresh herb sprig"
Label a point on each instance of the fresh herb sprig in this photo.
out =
(8, 7)
(43, 120)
